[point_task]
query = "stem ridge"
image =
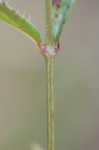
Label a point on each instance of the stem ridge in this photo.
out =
(50, 62)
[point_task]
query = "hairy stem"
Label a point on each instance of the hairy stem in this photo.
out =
(50, 60)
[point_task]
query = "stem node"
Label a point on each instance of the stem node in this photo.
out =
(49, 51)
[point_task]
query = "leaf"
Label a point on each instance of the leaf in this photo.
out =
(16, 20)
(61, 10)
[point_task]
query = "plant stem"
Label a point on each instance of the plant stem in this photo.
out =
(48, 6)
(50, 61)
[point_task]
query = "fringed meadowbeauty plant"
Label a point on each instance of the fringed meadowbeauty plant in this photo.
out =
(57, 13)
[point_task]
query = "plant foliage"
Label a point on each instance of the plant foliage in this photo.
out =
(16, 20)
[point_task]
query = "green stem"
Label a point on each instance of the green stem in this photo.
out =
(48, 6)
(50, 61)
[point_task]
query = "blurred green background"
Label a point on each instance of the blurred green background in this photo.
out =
(22, 82)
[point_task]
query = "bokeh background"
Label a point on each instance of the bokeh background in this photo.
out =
(22, 82)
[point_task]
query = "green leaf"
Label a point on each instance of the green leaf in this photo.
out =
(61, 10)
(17, 21)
